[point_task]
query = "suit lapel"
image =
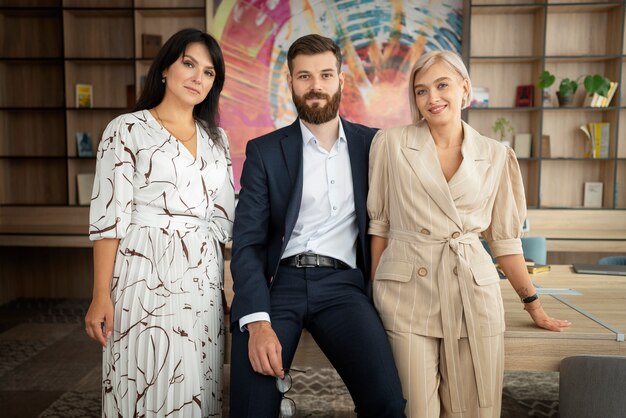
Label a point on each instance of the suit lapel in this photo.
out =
(419, 149)
(468, 180)
(291, 145)
(358, 167)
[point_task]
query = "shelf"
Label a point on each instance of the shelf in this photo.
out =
(40, 30)
(512, 9)
(505, 109)
(586, 7)
(98, 33)
(24, 82)
(179, 4)
(581, 58)
(506, 59)
(30, 4)
(97, 4)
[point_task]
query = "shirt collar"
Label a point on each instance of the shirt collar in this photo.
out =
(307, 135)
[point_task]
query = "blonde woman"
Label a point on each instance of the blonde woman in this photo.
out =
(436, 186)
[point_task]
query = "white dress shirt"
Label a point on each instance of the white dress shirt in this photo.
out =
(326, 222)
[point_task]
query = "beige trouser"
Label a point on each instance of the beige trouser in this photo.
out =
(422, 368)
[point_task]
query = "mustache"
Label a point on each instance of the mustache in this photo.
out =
(316, 95)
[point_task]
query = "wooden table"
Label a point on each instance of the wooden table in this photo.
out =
(598, 317)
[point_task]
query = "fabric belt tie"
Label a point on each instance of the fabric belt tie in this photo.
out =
(313, 260)
(465, 278)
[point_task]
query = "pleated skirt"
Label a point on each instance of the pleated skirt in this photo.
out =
(165, 356)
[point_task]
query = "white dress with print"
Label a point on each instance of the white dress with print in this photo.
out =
(170, 211)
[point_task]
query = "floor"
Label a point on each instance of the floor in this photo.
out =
(49, 368)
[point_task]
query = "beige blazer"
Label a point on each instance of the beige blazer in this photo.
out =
(435, 278)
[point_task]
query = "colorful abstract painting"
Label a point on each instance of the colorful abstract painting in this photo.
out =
(380, 40)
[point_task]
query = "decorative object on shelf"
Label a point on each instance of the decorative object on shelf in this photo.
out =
(545, 146)
(593, 194)
(598, 136)
(84, 95)
(150, 45)
(595, 99)
(84, 186)
(595, 84)
(130, 96)
(501, 127)
(522, 145)
(567, 87)
(480, 97)
(547, 98)
(524, 96)
(84, 145)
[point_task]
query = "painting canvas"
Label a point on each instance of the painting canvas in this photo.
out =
(380, 41)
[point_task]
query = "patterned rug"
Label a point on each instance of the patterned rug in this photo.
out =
(49, 368)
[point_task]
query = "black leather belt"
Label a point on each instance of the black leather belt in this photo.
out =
(313, 260)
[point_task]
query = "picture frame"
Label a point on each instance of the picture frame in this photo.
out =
(84, 96)
(524, 96)
(150, 45)
(84, 187)
(84, 144)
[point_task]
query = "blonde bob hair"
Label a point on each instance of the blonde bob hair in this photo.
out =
(453, 60)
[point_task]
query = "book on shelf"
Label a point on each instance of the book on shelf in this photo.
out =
(596, 100)
(522, 145)
(150, 45)
(535, 268)
(592, 196)
(84, 187)
(480, 97)
(84, 95)
(598, 137)
(545, 146)
(84, 145)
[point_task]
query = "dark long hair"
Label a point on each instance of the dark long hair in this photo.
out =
(207, 112)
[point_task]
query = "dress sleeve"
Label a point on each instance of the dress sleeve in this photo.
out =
(224, 203)
(378, 196)
(112, 196)
(509, 211)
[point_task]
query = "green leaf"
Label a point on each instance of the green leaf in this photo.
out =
(546, 79)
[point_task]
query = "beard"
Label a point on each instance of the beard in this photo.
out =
(317, 114)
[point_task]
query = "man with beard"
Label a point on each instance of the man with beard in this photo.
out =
(301, 251)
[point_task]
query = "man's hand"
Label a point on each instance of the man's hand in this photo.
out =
(264, 349)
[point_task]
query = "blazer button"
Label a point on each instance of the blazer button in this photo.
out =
(425, 231)
(456, 235)
(455, 271)
(422, 272)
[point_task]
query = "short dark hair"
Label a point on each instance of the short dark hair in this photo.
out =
(206, 112)
(310, 45)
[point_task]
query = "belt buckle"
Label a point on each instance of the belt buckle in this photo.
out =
(297, 257)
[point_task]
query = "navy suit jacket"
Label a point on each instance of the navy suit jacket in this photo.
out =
(268, 208)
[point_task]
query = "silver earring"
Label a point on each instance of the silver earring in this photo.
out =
(163, 80)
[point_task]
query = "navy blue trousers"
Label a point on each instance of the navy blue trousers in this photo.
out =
(332, 305)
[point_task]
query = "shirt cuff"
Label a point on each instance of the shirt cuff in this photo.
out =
(506, 247)
(378, 228)
(253, 317)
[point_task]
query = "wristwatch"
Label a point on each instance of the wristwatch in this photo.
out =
(529, 299)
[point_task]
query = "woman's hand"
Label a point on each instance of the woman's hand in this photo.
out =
(100, 312)
(542, 320)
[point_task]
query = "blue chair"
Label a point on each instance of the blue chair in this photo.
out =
(619, 260)
(535, 249)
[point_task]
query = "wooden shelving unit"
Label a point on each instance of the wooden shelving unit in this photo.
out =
(50, 46)
(511, 43)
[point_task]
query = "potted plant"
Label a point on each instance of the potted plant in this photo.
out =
(567, 87)
(501, 127)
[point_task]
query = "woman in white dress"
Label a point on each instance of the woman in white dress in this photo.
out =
(162, 205)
